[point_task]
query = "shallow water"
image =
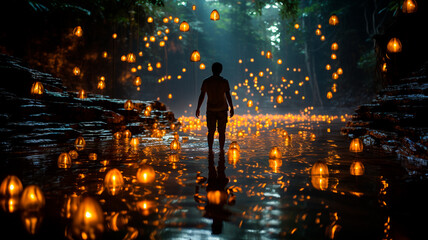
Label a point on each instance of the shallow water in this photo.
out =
(258, 198)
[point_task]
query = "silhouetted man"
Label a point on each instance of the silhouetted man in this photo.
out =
(218, 103)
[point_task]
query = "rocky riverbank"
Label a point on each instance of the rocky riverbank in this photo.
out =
(59, 115)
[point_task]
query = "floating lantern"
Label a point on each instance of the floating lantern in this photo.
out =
(32, 199)
(161, 43)
(127, 134)
(158, 65)
(333, 56)
(329, 95)
(319, 183)
(146, 207)
(334, 20)
(233, 155)
(339, 71)
(322, 38)
(275, 153)
(165, 20)
(64, 160)
(410, 6)
(80, 143)
(88, 221)
(147, 113)
(93, 156)
(73, 154)
(335, 76)
(78, 31)
(149, 19)
(195, 57)
(128, 105)
(170, 96)
(327, 67)
(146, 174)
(137, 81)
(279, 99)
(117, 135)
(317, 32)
(320, 169)
(296, 26)
(11, 186)
(217, 197)
(176, 20)
(113, 181)
(293, 38)
(275, 164)
(234, 144)
(37, 88)
(394, 45)
(81, 94)
(357, 168)
(356, 145)
(268, 55)
(184, 26)
(250, 103)
(152, 39)
(175, 145)
(215, 15)
(101, 85)
(202, 66)
(104, 54)
(334, 46)
(135, 142)
(123, 58)
(114, 35)
(150, 68)
(131, 58)
(76, 71)
(279, 61)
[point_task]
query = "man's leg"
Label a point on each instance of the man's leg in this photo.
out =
(211, 125)
(222, 121)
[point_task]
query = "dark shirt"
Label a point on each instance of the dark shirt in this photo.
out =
(216, 88)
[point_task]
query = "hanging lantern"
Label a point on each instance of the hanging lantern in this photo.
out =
(78, 31)
(250, 103)
(319, 169)
(409, 6)
(333, 20)
(357, 168)
(184, 26)
(394, 45)
(268, 55)
(215, 15)
(217, 197)
(128, 105)
(88, 221)
(80, 143)
(329, 95)
(195, 57)
(146, 174)
(37, 88)
(334, 46)
(275, 153)
(101, 85)
(279, 99)
(11, 186)
(137, 81)
(76, 71)
(113, 181)
(81, 94)
(64, 160)
(356, 145)
(175, 145)
(32, 199)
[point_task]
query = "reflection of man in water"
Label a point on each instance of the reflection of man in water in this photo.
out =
(219, 100)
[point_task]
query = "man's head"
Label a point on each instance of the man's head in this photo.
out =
(217, 68)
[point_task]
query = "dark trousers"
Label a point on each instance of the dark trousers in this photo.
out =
(216, 120)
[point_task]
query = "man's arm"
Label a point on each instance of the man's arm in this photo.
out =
(229, 101)
(200, 101)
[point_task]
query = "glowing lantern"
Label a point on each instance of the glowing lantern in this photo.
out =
(158, 65)
(131, 58)
(117, 135)
(202, 66)
(175, 145)
(409, 6)
(293, 38)
(37, 88)
(128, 105)
(296, 26)
(184, 26)
(195, 57)
(176, 20)
(32, 199)
(80, 143)
(329, 95)
(123, 58)
(279, 99)
(394, 45)
(76, 71)
(215, 15)
(333, 56)
(101, 85)
(319, 183)
(233, 155)
(73, 154)
(322, 38)
(268, 55)
(327, 67)
(217, 197)
(333, 20)
(146, 207)
(81, 94)
(234, 144)
(150, 68)
(88, 221)
(152, 39)
(357, 168)
(114, 36)
(319, 169)
(137, 81)
(275, 164)
(135, 142)
(275, 153)
(146, 174)
(113, 181)
(161, 44)
(165, 20)
(335, 76)
(127, 134)
(93, 156)
(11, 186)
(339, 71)
(170, 96)
(334, 46)
(64, 160)
(78, 31)
(317, 32)
(149, 19)
(356, 145)
(279, 61)
(250, 103)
